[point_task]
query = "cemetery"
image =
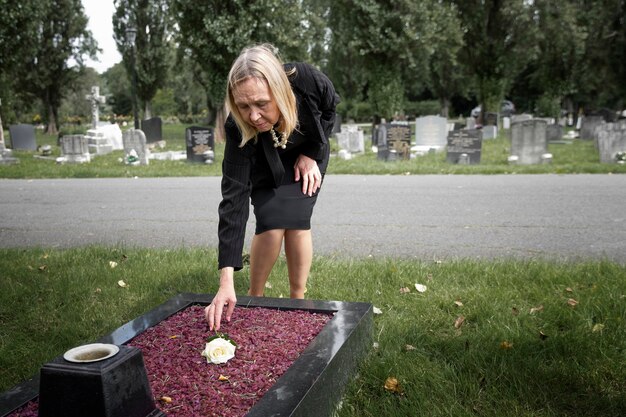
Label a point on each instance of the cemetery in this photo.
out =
(448, 90)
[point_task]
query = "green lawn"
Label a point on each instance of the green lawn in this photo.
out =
(497, 338)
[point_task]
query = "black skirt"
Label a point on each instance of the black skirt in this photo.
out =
(285, 207)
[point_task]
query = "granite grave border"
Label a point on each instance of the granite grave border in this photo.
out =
(313, 384)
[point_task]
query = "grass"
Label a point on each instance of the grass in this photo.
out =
(522, 350)
(578, 157)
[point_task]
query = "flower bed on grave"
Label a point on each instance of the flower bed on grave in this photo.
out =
(184, 384)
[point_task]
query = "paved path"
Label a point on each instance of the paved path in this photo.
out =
(430, 217)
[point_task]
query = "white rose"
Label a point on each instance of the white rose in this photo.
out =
(219, 351)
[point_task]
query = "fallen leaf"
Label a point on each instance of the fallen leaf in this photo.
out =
(376, 345)
(173, 336)
(268, 284)
(45, 256)
(165, 399)
(405, 290)
(506, 345)
(43, 268)
(568, 289)
(536, 309)
(542, 335)
(572, 302)
(223, 378)
(392, 385)
(420, 288)
(409, 348)
(515, 311)
(597, 328)
(98, 291)
(112, 264)
(458, 303)
(459, 321)
(377, 310)
(122, 284)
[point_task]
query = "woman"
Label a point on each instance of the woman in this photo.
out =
(276, 154)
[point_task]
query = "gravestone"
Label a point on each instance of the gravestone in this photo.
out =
(6, 156)
(337, 125)
(464, 147)
(431, 132)
(589, 127)
(611, 140)
(470, 123)
(491, 119)
(95, 99)
(528, 141)
(554, 132)
(153, 129)
(398, 141)
(351, 139)
(323, 369)
(379, 140)
(489, 132)
(135, 147)
(23, 137)
(200, 144)
(521, 117)
(74, 149)
(506, 123)
(104, 139)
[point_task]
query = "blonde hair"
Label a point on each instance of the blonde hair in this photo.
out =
(263, 63)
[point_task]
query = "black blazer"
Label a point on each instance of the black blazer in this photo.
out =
(247, 168)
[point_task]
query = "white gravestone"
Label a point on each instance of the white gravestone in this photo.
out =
(611, 140)
(95, 99)
(135, 148)
(351, 139)
(74, 149)
(105, 139)
(528, 141)
(431, 132)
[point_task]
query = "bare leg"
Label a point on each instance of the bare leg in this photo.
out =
(299, 252)
(264, 251)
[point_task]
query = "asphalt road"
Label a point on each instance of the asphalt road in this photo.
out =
(432, 217)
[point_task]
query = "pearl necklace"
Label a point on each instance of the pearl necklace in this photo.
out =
(282, 142)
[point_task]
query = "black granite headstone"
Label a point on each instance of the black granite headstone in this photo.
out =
(399, 139)
(23, 137)
(464, 146)
(153, 129)
(114, 387)
(199, 140)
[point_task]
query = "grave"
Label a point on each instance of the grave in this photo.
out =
(351, 138)
(489, 132)
(554, 132)
(23, 137)
(464, 147)
(153, 129)
(379, 140)
(611, 140)
(104, 139)
(6, 156)
(528, 141)
(470, 123)
(521, 117)
(95, 99)
(589, 127)
(74, 149)
(431, 132)
(398, 138)
(135, 148)
(312, 386)
(200, 144)
(506, 123)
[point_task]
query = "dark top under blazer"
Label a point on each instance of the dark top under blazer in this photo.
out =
(247, 168)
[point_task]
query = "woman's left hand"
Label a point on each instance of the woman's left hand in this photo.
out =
(307, 170)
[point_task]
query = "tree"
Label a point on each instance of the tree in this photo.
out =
(380, 50)
(118, 89)
(152, 20)
(61, 36)
(213, 33)
(499, 43)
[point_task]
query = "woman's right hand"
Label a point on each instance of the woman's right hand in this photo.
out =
(225, 297)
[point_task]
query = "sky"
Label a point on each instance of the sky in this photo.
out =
(100, 24)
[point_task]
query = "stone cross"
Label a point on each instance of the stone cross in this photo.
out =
(95, 99)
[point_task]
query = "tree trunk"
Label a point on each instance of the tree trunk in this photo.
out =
(445, 107)
(220, 118)
(147, 110)
(51, 129)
